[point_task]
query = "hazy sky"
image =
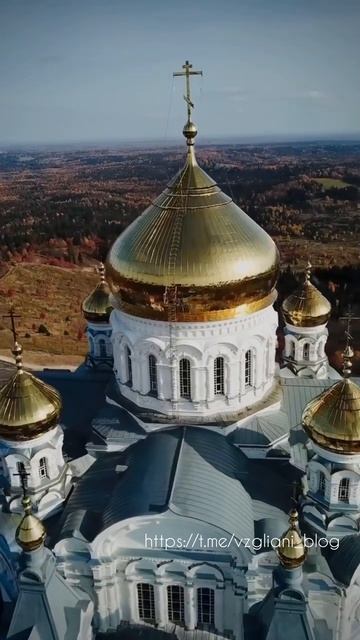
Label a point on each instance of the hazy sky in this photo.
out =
(88, 70)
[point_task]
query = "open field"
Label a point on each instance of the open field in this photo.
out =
(331, 183)
(50, 297)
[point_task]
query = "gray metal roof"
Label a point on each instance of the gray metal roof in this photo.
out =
(345, 560)
(297, 392)
(115, 424)
(83, 393)
(191, 471)
(48, 608)
(262, 430)
(283, 614)
(270, 426)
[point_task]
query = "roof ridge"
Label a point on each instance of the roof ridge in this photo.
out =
(174, 467)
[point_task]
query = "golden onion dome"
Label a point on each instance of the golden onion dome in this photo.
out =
(28, 406)
(332, 419)
(31, 533)
(306, 307)
(96, 307)
(291, 550)
(193, 255)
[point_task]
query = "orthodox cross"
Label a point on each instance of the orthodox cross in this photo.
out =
(349, 317)
(187, 73)
(23, 478)
(12, 316)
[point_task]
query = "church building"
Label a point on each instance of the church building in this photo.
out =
(193, 463)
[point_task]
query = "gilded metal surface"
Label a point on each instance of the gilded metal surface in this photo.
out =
(199, 311)
(291, 550)
(96, 307)
(31, 532)
(223, 259)
(306, 307)
(332, 419)
(28, 406)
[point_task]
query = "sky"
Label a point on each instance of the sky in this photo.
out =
(101, 70)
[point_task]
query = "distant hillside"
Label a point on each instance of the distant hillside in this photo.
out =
(48, 299)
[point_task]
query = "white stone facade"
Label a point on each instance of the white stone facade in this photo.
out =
(114, 574)
(48, 476)
(208, 386)
(332, 504)
(100, 345)
(304, 351)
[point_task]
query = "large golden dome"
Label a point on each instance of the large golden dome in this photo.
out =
(332, 419)
(306, 307)
(96, 307)
(28, 406)
(193, 244)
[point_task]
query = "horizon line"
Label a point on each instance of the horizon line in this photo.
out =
(176, 142)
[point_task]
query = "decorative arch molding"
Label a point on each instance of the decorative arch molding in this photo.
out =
(149, 346)
(187, 350)
(134, 568)
(226, 350)
(341, 520)
(194, 572)
(168, 568)
(345, 473)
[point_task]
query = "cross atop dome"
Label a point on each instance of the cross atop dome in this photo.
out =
(12, 316)
(190, 129)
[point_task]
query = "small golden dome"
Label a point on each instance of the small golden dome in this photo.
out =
(96, 307)
(194, 245)
(332, 419)
(28, 406)
(306, 307)
(31, 533)
(291, 550)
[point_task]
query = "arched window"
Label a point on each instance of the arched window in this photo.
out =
(175, 598)
(43, 468)
(343, 495)
(153, 375)
(322, 483)
(129, 379)
(185, 378)
(219, 387)
(306, 351)
(292, 350)
(146, 602)
(249, 368)
(205, 607)
(102, 348)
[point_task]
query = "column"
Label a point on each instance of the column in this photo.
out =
(219, 609)
(101, 604)
(174, 379)
(233, 383)
(238, 617)
(160, 603)
(190, 606)
(200, 377)
(161, 378)
(271, 357)
(114, 604)
(132, 601)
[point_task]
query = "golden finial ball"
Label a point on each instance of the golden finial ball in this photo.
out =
(190, 130)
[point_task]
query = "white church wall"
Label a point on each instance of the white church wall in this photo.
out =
(48, 476)
(201, 344)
